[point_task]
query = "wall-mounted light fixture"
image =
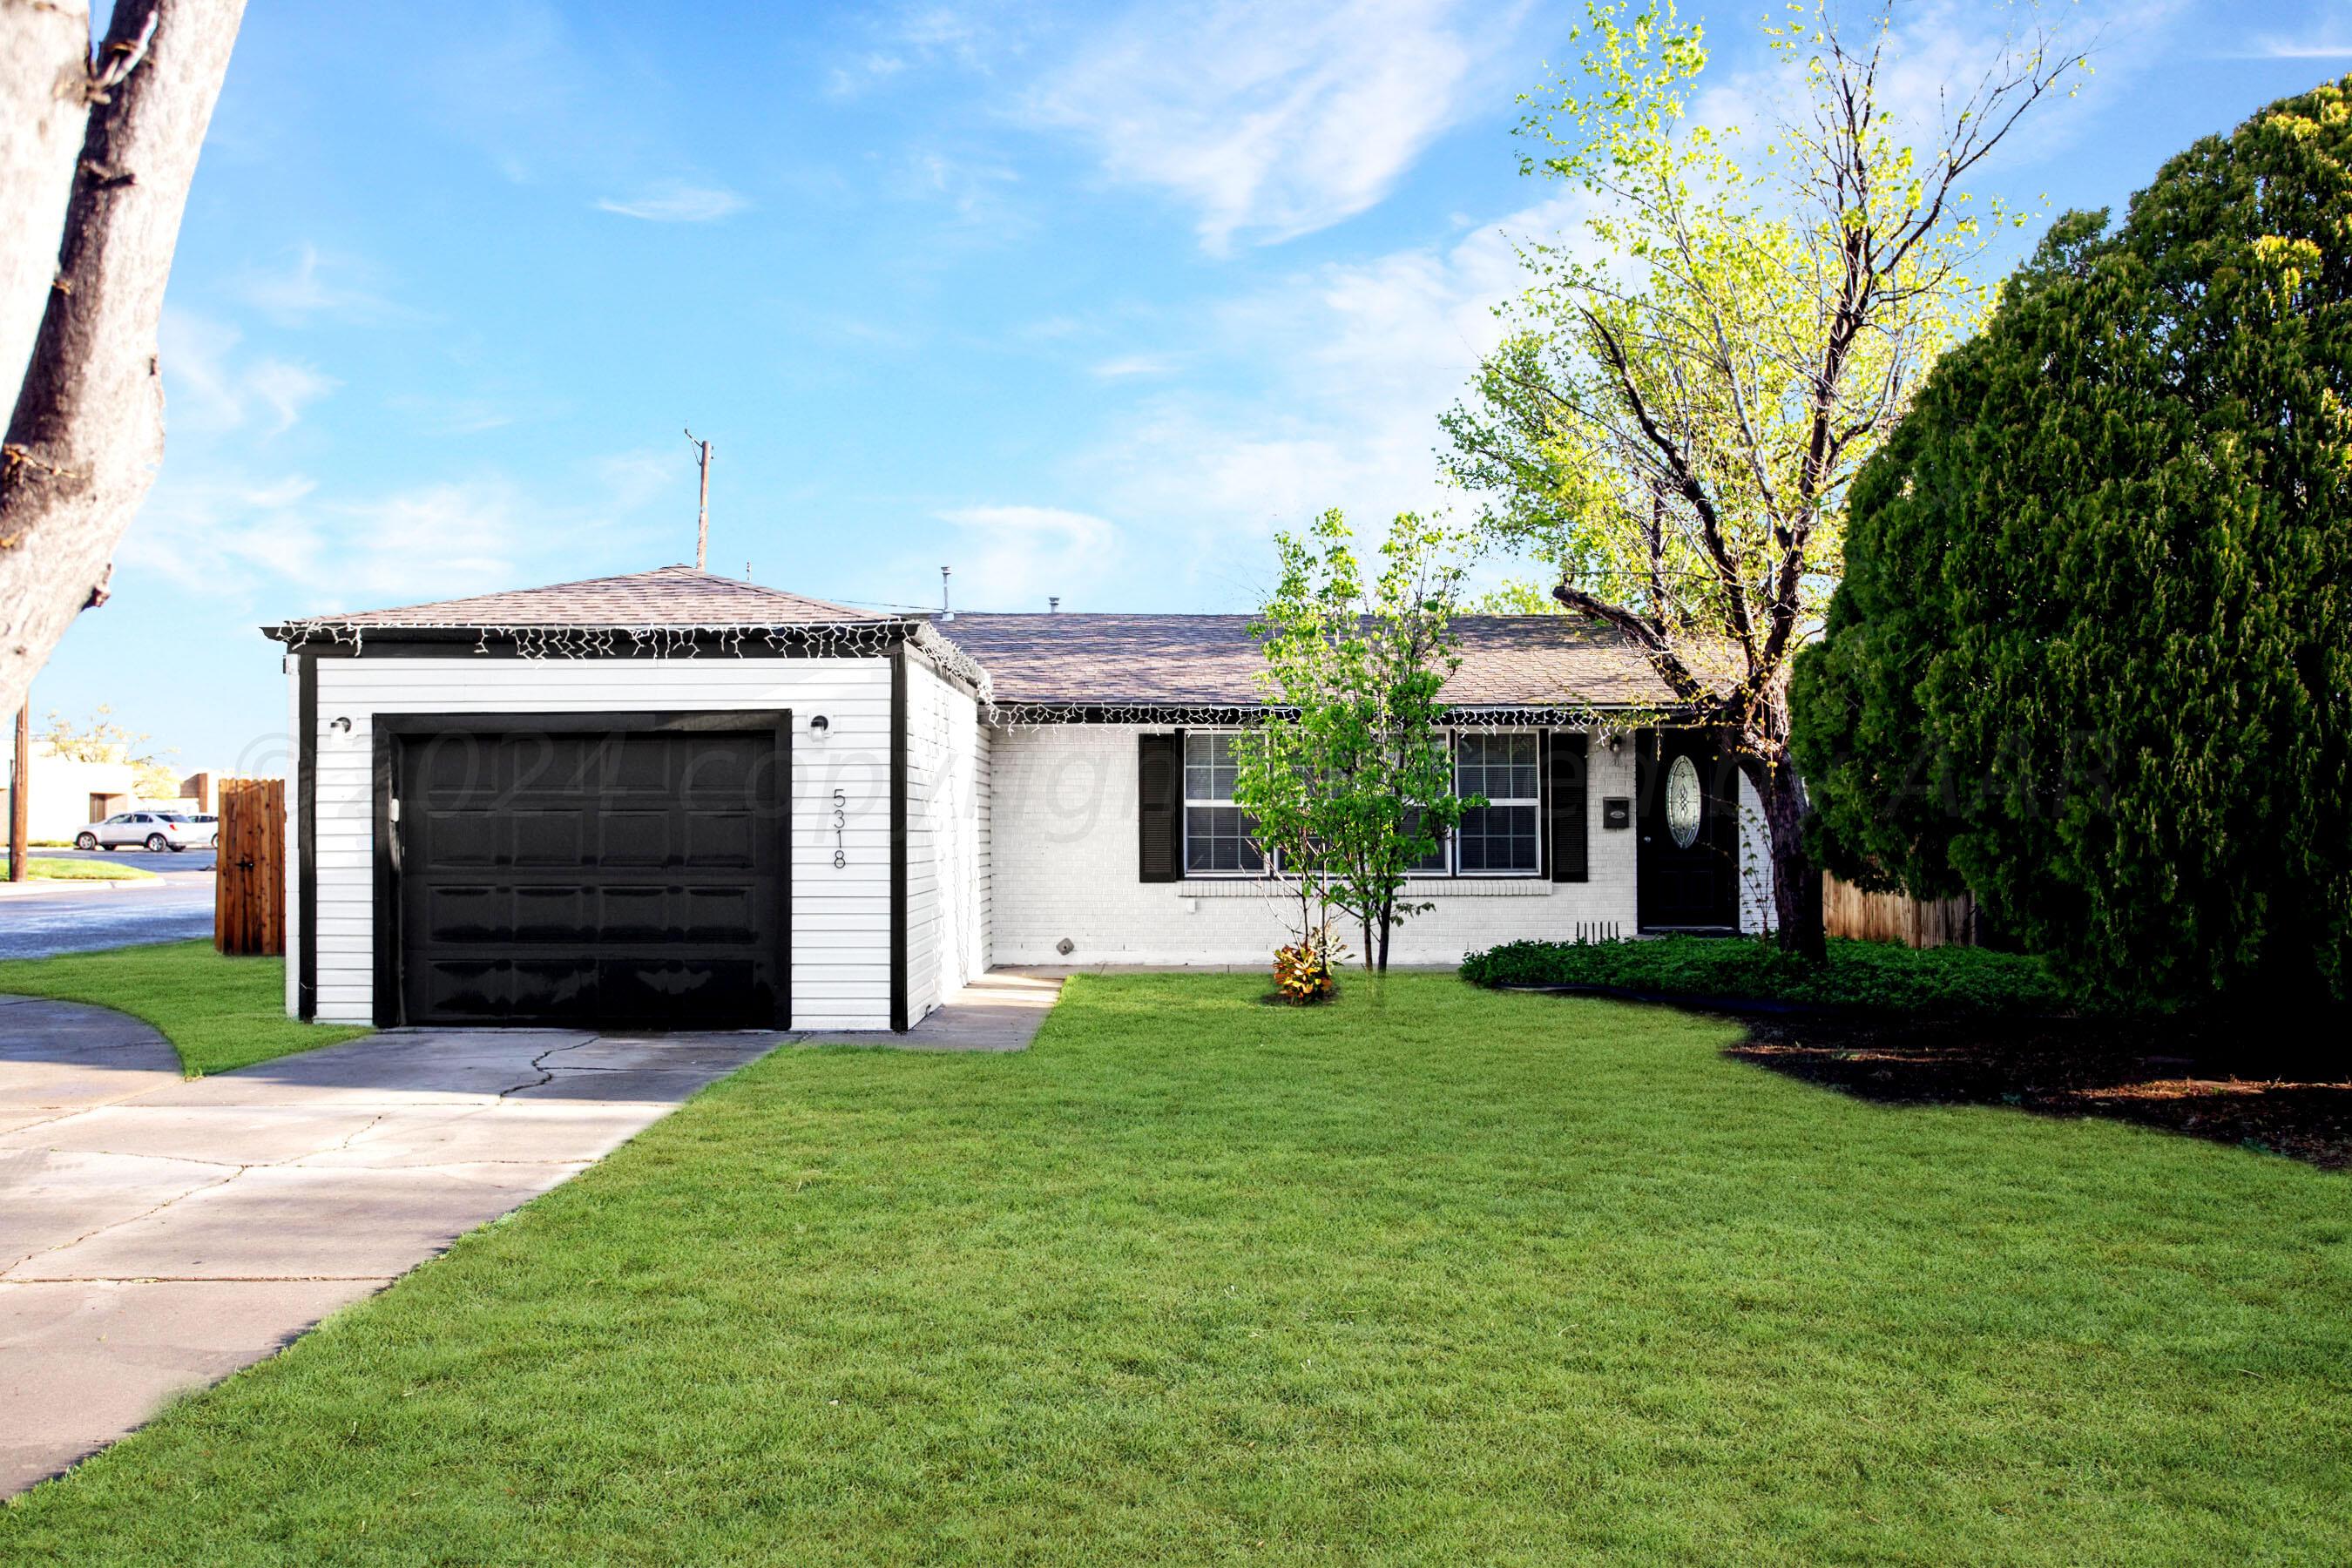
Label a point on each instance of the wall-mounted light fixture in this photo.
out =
(340, 723)
(818, 725)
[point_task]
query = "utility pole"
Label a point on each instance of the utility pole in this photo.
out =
(702, 508)
(20, 802)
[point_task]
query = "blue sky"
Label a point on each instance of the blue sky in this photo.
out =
(1081, 300)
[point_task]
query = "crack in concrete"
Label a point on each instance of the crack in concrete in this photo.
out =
(117, 1224)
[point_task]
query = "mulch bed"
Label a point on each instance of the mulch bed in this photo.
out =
(2201, 1082)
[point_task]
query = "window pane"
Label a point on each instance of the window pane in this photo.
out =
(1216, 839)
(1499, 839)
(1208, 767)
(1435, 860)
(1500, 767)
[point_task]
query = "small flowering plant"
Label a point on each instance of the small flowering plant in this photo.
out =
(1303, 969)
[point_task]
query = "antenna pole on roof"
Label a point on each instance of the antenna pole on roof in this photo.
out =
(702, 508)
(947, 612)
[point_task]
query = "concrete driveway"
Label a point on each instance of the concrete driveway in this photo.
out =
(157, 1234)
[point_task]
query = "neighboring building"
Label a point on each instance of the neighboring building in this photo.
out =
(675, 799)
(64, 795)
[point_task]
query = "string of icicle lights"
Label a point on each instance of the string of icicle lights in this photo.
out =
(823, 640)
(874, 639)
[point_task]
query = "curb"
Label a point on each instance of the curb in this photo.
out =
(33, 886)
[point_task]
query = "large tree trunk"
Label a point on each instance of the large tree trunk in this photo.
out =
(1796, 880)
(44, 105)
(87, 431)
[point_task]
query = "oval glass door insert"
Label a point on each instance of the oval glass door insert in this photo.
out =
(1683, 804)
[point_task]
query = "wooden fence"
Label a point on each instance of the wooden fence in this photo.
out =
(249, 891)
(1847, 910)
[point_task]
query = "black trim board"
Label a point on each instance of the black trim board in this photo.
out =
(900, 1002)
(306, 810)
(498, 642)
(390, 730)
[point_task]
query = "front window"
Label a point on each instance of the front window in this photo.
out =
(1216, 831)
(1498, 838)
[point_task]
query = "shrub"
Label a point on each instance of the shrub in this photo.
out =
(2092, 653)
(1872, 975)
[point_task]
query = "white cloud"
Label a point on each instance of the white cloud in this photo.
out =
(1271, 120)
(315, 284)
(1125, 367)
(1013, 557)
(211, 387)
(2328, 45)
(287, 544)
(672, 201)
(1348, 367)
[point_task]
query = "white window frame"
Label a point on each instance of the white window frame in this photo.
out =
(1453, 839)
(1186, 801)
(1450, 845)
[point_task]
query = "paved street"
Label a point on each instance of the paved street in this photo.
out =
(35, 925)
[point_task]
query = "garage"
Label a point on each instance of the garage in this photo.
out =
(620, 870)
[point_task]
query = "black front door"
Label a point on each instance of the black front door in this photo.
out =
(1686, 815)
(632, 877)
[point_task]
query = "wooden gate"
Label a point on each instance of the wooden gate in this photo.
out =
(249, 889)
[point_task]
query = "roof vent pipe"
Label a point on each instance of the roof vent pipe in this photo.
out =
(946, 612)
(1054, 604)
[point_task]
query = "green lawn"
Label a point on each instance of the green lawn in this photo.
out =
(219, 1013)
(1436, 1275)
(56, 869)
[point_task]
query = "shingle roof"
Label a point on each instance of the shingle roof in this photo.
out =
(1536, 661)
(669, 596)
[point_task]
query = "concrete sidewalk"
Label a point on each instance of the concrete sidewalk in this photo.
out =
(158, 1234)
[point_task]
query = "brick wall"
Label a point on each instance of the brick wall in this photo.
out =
(1063, 851)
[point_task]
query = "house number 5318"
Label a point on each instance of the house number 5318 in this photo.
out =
(840, 829)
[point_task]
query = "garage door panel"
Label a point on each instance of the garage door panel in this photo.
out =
(635, 837)
(552, 913)
(721, 841)
(466, 913)
(461, 838)
(631, 876)
(659, 989)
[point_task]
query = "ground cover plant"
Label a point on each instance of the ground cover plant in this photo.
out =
(218, 1012)
(56, 869)
(1869, 975)
(1431, 1274)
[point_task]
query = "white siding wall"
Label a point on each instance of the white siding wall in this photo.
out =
(841, 915)
(1063, 821)
(946, 918)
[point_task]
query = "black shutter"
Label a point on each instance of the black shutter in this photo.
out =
(1160, 808)
(1564, 802)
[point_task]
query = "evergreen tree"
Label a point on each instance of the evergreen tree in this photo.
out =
(2092, 657)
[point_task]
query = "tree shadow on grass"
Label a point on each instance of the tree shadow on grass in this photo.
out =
(2228, 1084)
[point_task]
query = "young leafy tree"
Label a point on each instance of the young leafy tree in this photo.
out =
(1690, 386)
(1350, 779)
(2093, 655)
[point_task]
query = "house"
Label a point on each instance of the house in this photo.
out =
(672, 798)
(65, 794)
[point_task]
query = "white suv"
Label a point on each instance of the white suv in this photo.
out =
(147, 830)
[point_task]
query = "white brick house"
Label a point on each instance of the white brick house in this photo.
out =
(672, 798)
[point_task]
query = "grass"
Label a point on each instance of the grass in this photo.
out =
(1432, 1275)
(218, 1013)
(44, 868)
(1877, 976)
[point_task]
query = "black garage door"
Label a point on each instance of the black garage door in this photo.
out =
(632, 875)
